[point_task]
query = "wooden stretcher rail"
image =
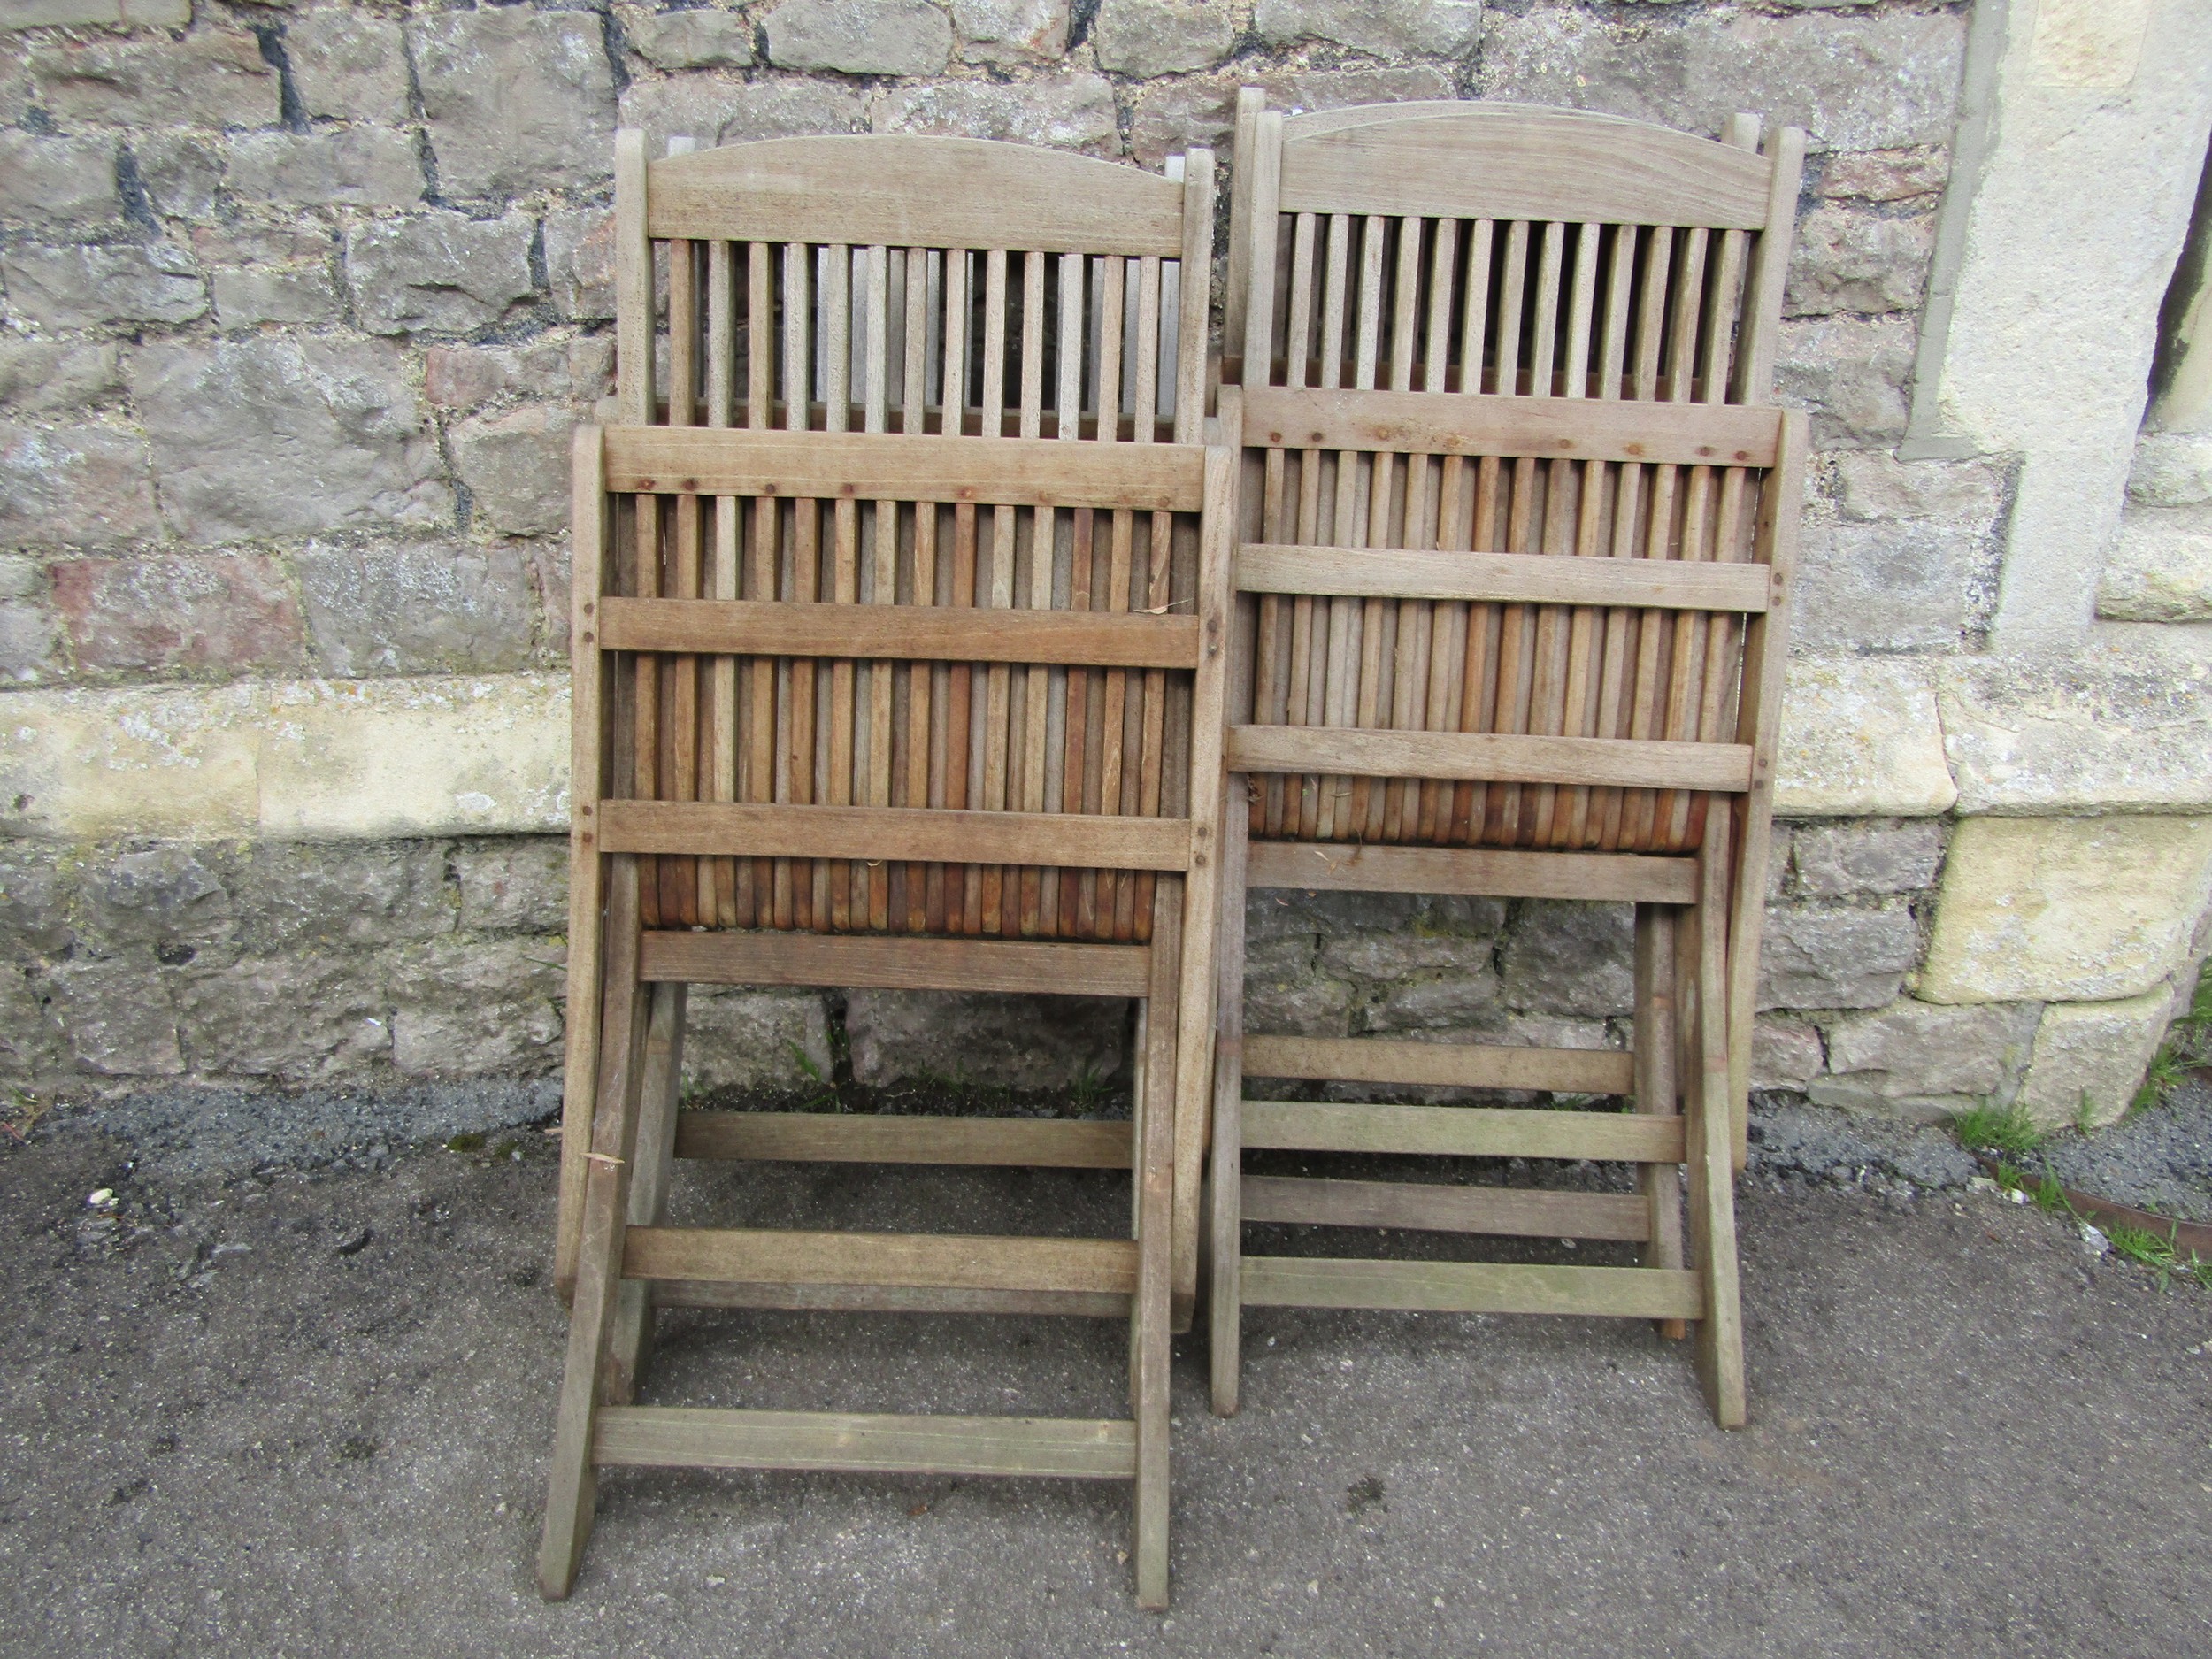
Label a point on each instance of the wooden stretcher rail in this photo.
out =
(1449, 1064)
(1349, 867)
(877, 466)
(907, 191)
(1471, 1132)
(896, 962)
(1630, 1292)
(1432, 1206)
(945, 633)
(1082, 1304)
(823, 1138)
(674, 1437)
(1549, 428)
(1538, 578)
(919, 1261)
(926, 834)
(1507, 163)
(1377, 752)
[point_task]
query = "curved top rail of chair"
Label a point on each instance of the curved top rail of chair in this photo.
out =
(909, 191)
(1510, 161)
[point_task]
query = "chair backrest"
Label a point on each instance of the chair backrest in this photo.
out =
(1516, 695)
(852, 683)
(910, 284)
(1506, 248)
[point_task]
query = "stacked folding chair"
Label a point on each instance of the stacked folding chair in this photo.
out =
(898, 637)
(1517, 530)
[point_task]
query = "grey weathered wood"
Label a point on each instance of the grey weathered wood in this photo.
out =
(1517, 578)
(1469, 1132)
(921, 1261)
(1542, 429)
(1448, 1064)
(1081, 840)
(1494, 872)
(852, 1443)
(876, 1138)
(922, 633)
(1378, 752)
(1635, 1292)
(1084, 1304)
(1431, 1207)
(897, 963)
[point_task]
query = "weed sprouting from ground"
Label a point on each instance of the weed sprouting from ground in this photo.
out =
(1997, 1129)
(2188, 1046)
(19, 1113)
(2145, 1247)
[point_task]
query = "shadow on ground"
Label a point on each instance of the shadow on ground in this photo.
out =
(307, 1413)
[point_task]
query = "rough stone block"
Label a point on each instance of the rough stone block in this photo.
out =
(349, 66)
(1564, 957)
(415, 608)
(392, 758)
(860, 37)
(1820, 956)
(1847, 259)
(1440, 1002)
(1881, 80)
(466, 378)
(1025, 1042)
(2066, 909)
(1011, 31)
(352, 167)
(162, 898)
(2159, 570)
(302, 296)
(439, 273)
(1873, 488)
(774, 106)
(2090, 1059)
(1836, 861)
(705, 37)
(73, 487)
(147, 761)
(1917, 172)
(754, 1039)
(30, 636)
(225, 613)
(58, 182)
(92, 287)
(1851, 374)
(2097, 731)
(44, 376)
(1172, 115)
(117, 14)
(1286, 999)
(1387, 29)
(1918, 1060)
(1162, 37)
(1898, 585)
(181, 173)
(517, 885)
(517, 101)
(517, 468)
(298, 1017)
(1785, 1053)
(276, 437)
(2172, 468)
(464, 1007)
(1073, 112)
(1861, 737)
(292, 895)
(118, 1014)
(1395, 956)
(37, 886)
(579, 261)
(213, 77)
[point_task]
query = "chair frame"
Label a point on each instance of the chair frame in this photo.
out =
(1698, 905)
(645, 859)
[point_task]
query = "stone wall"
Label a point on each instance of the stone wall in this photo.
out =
(302, 301)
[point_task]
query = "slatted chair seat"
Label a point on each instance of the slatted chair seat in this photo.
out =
(1511, 577)
(898, 630)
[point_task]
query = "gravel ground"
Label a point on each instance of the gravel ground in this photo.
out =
(2160, 1159)
(306, 1412)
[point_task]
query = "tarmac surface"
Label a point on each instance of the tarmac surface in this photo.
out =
(306, 1412)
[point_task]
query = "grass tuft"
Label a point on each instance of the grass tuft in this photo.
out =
(1997, 1129)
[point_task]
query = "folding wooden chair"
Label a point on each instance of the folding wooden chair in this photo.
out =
(1516, 538)
(889, 673)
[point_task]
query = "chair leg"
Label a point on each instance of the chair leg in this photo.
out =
(1712, 1196)
(1656, 1042)
(630, 1337)
(573, 1489)
(1154, 1178)
(1225, 1332)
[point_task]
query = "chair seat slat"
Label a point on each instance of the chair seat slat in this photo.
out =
(896, 962)
(1548, 428)
(943, 634)
(923, 1261)
(1373, 752)
(918, 835)
(1518, 578)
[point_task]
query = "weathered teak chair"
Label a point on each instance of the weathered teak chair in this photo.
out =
(1514, 357)
(898, 639)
